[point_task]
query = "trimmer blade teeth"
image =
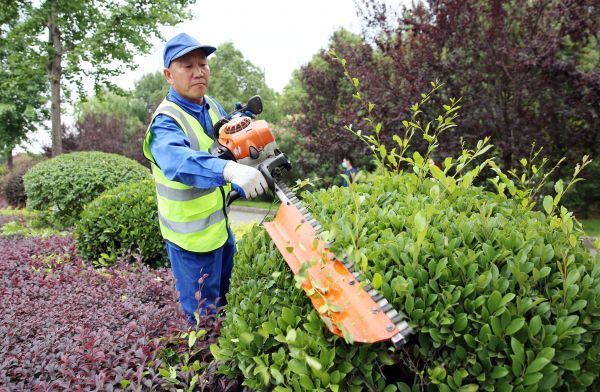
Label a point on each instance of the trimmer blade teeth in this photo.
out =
(377, 297)
(396, 319)
(382, 303)
(398, 340)
(372, 292)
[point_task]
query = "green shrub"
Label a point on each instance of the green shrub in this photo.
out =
(498, 295)
(65, 184)
(121, 222)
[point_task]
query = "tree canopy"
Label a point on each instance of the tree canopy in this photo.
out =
(23, 93)
(88, 40)
(526, 71)
(235, 79)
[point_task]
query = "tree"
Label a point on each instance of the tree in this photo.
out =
(326, 105)
(117, 123)
(151, 89)
(90, 40)
(526, 70)
(22, 96)
(235, 79)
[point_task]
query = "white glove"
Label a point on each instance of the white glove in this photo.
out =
(246, 178)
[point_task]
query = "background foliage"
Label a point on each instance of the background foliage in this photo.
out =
(11, 183)
(235, 79)
(526, 71)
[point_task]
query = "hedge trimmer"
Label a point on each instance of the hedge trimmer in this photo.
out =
(345, 300)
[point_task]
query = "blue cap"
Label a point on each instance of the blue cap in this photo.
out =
(182, 44)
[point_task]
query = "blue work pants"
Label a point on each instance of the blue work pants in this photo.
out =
(189, 267)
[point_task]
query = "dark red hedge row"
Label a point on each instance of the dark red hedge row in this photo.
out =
(66, 326)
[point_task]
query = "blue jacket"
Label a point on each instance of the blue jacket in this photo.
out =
(171, 150)
(351, 173)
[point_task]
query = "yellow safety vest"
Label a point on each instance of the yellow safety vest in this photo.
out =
(192, 218)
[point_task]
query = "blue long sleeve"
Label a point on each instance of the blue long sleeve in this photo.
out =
(171, 149)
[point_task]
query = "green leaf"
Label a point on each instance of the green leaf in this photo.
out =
(499, 372)
(538, 364)
(313, 362)
(515, 325)
(461, 322)
(494, 300)
(420, 221)
(535, 325)
(558, 186)
(191, 340)
(548, 204)
(297, 366)
(377, 280)
(246, 337)
(291, 336)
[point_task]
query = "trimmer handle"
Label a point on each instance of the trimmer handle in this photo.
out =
(234, 195)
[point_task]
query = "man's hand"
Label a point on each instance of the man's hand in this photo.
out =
(245, 178)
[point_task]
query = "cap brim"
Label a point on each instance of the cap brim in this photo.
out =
(208, 50)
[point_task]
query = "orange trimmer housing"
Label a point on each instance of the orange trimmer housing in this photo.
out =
(245, 137)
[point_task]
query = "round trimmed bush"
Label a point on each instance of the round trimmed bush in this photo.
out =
(122, 221)
(65, 184)
(501, 297)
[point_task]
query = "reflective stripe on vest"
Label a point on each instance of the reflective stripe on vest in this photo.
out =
(181, 194)
(193, 226)
(191, 218)
(180, 117)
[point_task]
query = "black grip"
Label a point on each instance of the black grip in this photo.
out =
(233, 196)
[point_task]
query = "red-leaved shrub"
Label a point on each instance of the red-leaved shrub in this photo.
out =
(66, 326)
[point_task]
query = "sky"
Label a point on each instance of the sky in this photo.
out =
(276, 36)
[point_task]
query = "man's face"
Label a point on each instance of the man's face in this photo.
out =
(189, 75)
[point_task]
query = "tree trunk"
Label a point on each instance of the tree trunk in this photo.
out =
(9, 160)
(54, 74)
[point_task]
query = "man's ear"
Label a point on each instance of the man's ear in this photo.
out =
(167, 73)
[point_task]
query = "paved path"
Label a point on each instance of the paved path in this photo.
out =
(247, 214)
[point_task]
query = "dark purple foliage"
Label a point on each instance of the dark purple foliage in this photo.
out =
(522, 69)
(68, 326)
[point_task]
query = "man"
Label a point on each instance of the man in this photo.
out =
(191, 184)
(349, 171)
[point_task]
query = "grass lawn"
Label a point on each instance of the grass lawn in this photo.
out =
(255, 203)
(591, 227)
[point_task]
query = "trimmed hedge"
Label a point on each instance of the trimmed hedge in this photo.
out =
(120, 222)
(502, 297)
(65, 184)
